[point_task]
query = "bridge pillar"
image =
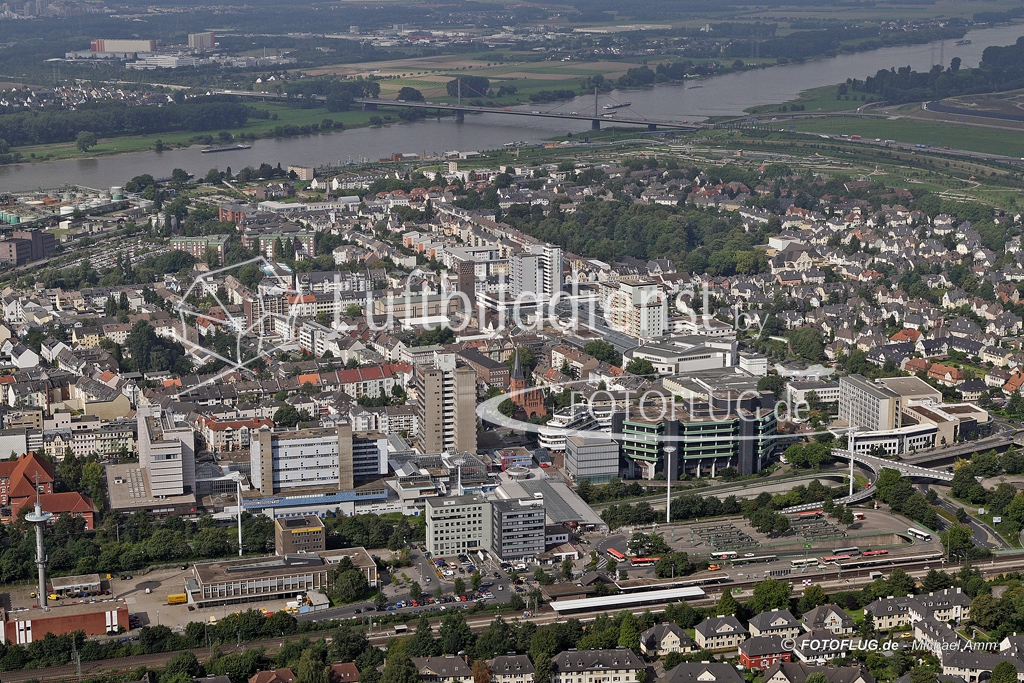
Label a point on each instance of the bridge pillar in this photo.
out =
(369, 106)
(595, 124)
(460, 115)
(652, 126)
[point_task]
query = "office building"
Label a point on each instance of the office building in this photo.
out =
(44, 244)
(517, 528)
(867, 405)
(536, 272)
(591, 459)
(637, 309)
(201, 41)
(728, 431)
(166, 452)
(307, 457)
(304, 534)
(445, 406)
(369, 455)
(459, 525)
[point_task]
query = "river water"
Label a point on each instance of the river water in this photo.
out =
(723, 95)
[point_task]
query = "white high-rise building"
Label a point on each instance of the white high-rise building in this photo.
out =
(639, 309)
(537, 271)
(166, 452)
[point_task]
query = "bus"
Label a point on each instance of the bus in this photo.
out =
(806, 562)
(917, 533)
(615, 555)
(830, 559)
(724, 555)
(846, 551)
(644, 561)
(811, 514)
(859, 516)
(873, 553)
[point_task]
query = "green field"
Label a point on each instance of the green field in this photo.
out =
(953, 135)
(286, 115)
(815, 99)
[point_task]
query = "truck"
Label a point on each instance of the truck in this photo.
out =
(177, 599)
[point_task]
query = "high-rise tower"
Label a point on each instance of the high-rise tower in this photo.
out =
(40, 519)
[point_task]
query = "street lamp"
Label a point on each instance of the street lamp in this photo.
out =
(669, 450)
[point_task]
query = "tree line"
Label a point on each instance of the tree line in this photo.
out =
(108, 119)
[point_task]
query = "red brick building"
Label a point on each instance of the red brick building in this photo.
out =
(94, 618)
(73, 503)
(760, 652)
(530, 401)
(18, 479)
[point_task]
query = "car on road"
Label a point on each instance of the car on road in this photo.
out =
(501, 588)
(748, 554)
(497, 575)
(359, 611)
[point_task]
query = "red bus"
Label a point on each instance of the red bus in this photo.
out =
(810, 514)
(615, 554)
(644, 561)
(871, 553)
(859, 516)
(834, 558)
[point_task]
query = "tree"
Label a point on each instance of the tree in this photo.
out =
(603, 351)
(454, 634)
(900, 583)
(1004, 672)
(481, 670)
(179, 176)
(935, 580)
(415, 591)
(411, 95)
(846, 519)
(183, 663)
(85, 140)
(629, 632)
(772, 382)
(727, 604)
(814, 595)
(771, 594)
(399, 669)
(641, 367)
(459, 586)
(380, 600)
(422, 643)
(567, 569)
(475, 579)
(311, 669)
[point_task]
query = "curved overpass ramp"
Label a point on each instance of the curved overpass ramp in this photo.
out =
(876, 465)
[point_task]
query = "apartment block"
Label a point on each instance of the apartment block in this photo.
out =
(445, 406)
(306, 457)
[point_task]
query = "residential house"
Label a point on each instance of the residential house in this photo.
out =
(776, 622)
(596, 666)
(829, 618)
(703, 672)
(720, 633)
(665, 638)
(760, 652)
(797, 672)
(446, 669)
(511, 669)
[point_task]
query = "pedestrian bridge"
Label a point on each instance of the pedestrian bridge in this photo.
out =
(876, 465)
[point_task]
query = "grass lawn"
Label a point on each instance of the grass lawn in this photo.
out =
(954, 135)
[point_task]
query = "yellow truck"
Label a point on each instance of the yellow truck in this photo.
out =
(177, 599)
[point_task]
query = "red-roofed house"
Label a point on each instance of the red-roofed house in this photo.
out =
(284, 675)
(946, 374)
(344, 672)
(312, 378)
(18, 478)
(906, 335)
(916, 365)
(1013, 384)
(74, 504)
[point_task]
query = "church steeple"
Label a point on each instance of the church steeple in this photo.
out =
(517, 369)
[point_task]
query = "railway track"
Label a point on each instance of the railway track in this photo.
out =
(831, 580)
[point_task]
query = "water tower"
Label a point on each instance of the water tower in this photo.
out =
(40, 519)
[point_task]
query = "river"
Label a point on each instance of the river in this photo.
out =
(723, 95)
